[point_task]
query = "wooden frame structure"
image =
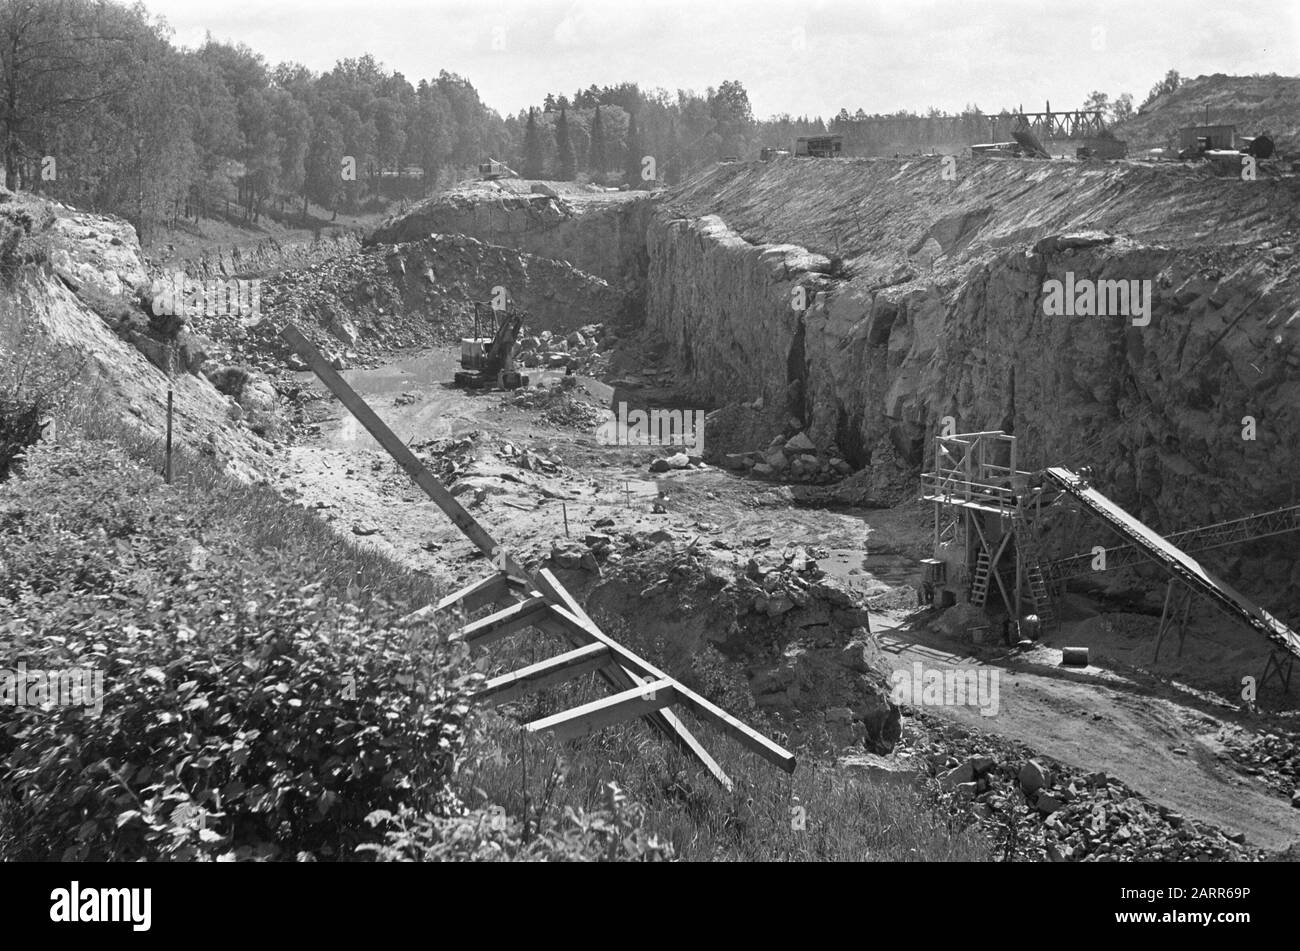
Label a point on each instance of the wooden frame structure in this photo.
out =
(984, 510)
(524, 599)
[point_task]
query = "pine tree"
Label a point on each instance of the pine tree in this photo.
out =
(564, 148)
(533, 159)
(632, 166)
(596, 160)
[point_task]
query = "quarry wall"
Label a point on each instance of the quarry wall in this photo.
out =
(1187, 411)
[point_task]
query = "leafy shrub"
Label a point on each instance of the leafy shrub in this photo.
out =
(249, 711)
(35, 375)
(611, 833)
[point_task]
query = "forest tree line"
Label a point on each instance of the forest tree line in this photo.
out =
(100, 109)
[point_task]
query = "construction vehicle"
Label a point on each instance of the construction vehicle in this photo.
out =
(491, 170)
(771, 155)
(490, 361)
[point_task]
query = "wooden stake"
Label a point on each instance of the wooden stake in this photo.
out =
(565, 510)
(167, 465)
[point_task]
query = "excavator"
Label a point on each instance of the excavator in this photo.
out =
(490, 361)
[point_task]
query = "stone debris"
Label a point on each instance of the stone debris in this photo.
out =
(448, 458)
(794, 458)
(1056, 812)
(1272, 757)
(561, 406)
(581, 351)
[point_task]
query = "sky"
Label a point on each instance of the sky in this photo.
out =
(810, 57)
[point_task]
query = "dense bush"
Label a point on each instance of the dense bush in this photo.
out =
(612, 832)
(34, 378)
(249, 710)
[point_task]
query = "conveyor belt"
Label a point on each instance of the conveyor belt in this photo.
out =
(1178, 562)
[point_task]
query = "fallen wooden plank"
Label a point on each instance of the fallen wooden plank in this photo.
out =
(558, 669)
(495, 626)
(590, 717)
(489, 590)
(425, 479)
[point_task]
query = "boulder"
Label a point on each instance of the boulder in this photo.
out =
(257, 394)
(881, 769)
(800, 442)
(1033, 776)
(1048, 804)
(776, 460)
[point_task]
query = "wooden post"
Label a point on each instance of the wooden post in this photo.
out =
(565, 510)
(167, 464)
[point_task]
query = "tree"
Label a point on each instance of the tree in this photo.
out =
(323, 182)
(596, 159)
(731, 104)
(59, 62)
(533, 160)
(1097, 101)
(564, 149)
(1122, 108)
(632, 164)
(1170, 83)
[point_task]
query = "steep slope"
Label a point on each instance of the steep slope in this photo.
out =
(68, 276)
(1254, 104)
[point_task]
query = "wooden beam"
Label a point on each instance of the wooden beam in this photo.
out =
(702, 708)
(489, 590)
(558, 669)
(400, 452)
(519, 615)
(665, 721)
(590, 717)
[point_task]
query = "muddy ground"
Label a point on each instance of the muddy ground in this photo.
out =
(1176, 732)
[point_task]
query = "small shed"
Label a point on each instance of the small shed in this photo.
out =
(1203, 138)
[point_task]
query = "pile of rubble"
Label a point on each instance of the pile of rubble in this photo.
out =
(579, 351)
(1274, 758)
(448, 458)
(778, 582)
(801, 641)
(530, 460)
(561, 404)
(793, 458)
(357, 308)
(1042, 810)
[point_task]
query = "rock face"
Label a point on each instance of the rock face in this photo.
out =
(85, 307)
(888, 346)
